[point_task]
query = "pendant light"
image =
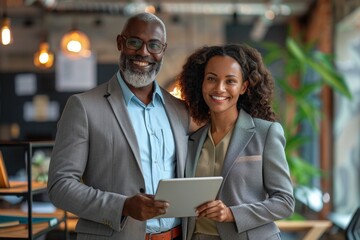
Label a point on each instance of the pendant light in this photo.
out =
(6, 35)
(44, 58)
(75, 44)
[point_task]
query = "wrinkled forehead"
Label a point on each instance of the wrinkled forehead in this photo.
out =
(145, 30)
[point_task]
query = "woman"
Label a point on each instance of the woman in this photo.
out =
(229, 89)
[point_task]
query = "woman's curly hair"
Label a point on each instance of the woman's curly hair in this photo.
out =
(258, 96)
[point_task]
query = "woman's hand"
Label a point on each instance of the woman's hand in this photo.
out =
(215, 210)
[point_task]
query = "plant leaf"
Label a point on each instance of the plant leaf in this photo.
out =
(295, 50)
(310, 88)
(295, 142)
(334, 80)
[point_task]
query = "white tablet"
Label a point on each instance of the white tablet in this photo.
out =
(185, 194)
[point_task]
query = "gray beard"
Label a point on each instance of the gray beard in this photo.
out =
(137, 79)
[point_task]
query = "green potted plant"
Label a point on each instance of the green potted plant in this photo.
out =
(297, 60)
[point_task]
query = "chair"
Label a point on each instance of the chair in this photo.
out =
(353, 229)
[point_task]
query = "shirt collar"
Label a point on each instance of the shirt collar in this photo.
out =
(128, 94)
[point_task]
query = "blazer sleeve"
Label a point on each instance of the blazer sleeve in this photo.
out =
(279, 202)
(68, 163)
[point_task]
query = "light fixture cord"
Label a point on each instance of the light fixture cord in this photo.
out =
(3, 8)
(4, 15)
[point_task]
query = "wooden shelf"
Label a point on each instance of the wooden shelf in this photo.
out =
(27, 189)
(21, 231)
(21, 187)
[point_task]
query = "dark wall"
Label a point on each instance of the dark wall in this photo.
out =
(11, 105)
(240, 33)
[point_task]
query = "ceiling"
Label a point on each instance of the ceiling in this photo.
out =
(281, 8)
(31, 20)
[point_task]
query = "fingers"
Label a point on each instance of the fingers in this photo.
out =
(215, 210)
(207, 205)
(143, 207)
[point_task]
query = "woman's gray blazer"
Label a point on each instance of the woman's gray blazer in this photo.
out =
(257, 185)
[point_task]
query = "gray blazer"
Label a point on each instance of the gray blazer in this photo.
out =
(96, 165)
(256, 186)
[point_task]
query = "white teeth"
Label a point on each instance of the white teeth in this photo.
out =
(218, 98)
(142, 64)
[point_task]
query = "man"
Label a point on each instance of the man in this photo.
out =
(116, 141)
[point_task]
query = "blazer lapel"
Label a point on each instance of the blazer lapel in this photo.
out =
(243, 132)
(115, 98)
(196, 141)
(178, 132)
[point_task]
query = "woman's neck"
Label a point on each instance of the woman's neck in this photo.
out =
(221, 124)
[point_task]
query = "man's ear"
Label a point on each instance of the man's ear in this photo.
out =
(119, 42)
(165, 47)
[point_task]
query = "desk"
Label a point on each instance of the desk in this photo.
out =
(314, 228)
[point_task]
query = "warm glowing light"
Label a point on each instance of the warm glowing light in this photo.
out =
(6, 32)
(44, 58)
(74, 46)
(176, 92)
(150, 9)
(75, 43)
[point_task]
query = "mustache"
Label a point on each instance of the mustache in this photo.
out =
(141, 58)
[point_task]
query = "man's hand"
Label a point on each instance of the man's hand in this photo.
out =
(143, 207)
(215, 210)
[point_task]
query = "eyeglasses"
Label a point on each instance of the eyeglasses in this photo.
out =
(153, 46)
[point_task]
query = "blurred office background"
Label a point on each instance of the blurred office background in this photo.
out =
(33, 91)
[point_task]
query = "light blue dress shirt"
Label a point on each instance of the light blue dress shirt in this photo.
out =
(156, 144)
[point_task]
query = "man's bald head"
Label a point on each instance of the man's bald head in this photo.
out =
(148, 18)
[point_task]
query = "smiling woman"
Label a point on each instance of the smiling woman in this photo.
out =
(256, 98)
(229, 89)
(223, 82)
(221, 88)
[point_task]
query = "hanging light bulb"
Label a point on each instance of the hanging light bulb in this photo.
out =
(44, 58)
(75, 43)
(6, 36)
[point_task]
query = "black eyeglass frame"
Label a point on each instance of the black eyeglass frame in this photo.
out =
(163, 45)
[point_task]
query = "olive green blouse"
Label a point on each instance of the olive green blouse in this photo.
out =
(210, 163)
